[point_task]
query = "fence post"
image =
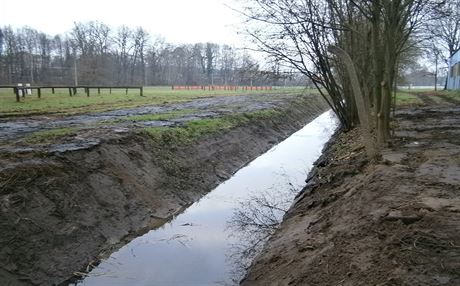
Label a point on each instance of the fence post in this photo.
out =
(142, 90)
(20, 90)
(16, 92)
(28, 90)
(52, 90)
(39, 92)
(70, 91)
(126, 93)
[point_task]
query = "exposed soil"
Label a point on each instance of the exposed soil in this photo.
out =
(62, 210)
(14, 129)
(426, 98)
(446, 98)
(395, 222)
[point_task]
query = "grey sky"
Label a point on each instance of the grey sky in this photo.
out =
(178, 21)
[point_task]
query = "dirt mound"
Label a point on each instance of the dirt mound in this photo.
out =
(392, 223)
(61, 212)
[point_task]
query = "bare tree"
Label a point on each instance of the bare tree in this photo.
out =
(227, 63)
(11, 54)
(373, 34)
(443, 34)
(211, 57)
(298, 33)
(445, 27)
(94, 53)
(123, 47)
(140, 43)
(2, 39)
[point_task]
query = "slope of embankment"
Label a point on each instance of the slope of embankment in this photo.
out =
(395, 222)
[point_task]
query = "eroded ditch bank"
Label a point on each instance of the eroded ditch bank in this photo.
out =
(395, 222)
(213, 240)
(62, 211)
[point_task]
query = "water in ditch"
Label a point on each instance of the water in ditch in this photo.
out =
(213, 241)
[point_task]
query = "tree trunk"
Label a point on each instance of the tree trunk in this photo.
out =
(363, 110)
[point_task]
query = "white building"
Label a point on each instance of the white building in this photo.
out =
(453, 79)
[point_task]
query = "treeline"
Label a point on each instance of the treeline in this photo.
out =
(94, 53)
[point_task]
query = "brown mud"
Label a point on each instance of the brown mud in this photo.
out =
(395, 222)
(15, 128)
(427, 99)
(61, 212)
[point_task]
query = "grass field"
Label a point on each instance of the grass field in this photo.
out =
(406, 98)
(455, 94)
(62, 103)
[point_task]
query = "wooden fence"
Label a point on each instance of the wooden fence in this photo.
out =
(22, 90)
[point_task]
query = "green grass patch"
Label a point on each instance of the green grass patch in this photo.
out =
(407, 98)
(62, 103)
(200, 127)
(195, 129)
(50, 135)
(161, 116)
(454, 94)
(192, 130)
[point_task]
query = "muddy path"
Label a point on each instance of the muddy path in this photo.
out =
(62, 211)
(15, 128)
(396, 222)
(447, 99)
(426, 99)
(89, 130)
(436, 98)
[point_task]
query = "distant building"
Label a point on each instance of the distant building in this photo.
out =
(420, 77)
(453, 79)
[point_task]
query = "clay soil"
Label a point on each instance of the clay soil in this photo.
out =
(62, 211)
(395, 222)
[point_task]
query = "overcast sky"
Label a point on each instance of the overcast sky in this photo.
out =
(178, 21)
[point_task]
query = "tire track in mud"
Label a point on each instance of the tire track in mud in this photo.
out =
(448, 99)
(426, 99)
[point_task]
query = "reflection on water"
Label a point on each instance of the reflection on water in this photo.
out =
(253, 222)
(214, 239)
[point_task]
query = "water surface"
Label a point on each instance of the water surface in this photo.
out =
(212, 241)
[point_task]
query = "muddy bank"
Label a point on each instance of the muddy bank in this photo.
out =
(396, 222)
(61, 211)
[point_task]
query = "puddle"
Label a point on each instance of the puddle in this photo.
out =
(212, 241)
